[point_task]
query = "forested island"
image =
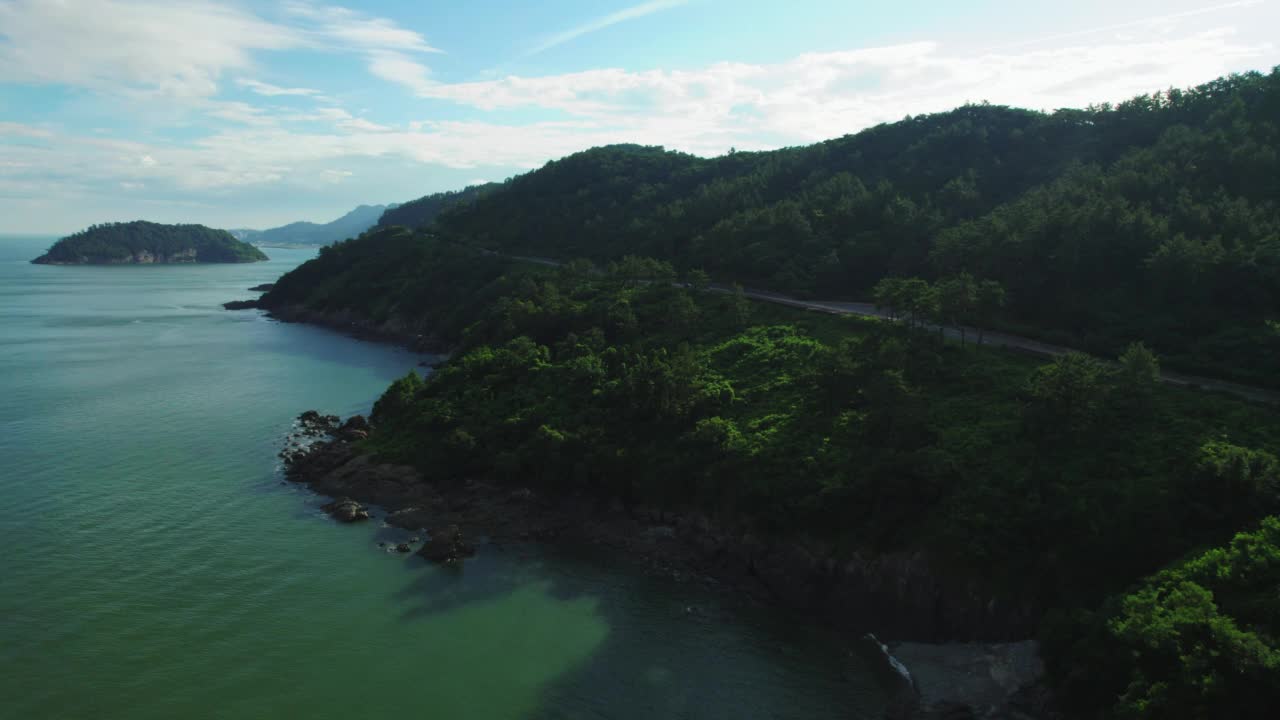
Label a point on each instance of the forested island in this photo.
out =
(145, 243)
(853, 466)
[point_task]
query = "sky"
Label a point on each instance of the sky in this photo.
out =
(255, 114)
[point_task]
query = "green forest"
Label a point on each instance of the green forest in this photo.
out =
(1155, 219)
(1139, 520)
(425, 210)
(122, 242)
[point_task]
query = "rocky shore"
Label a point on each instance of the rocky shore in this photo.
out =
(908, 598)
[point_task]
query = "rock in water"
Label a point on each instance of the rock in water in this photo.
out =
(446, 546)
(346, 510)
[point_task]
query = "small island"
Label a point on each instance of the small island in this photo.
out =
(147, 243)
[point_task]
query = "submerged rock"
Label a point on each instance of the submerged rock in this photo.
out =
(404, 548)
(447, 545)
(346, 510)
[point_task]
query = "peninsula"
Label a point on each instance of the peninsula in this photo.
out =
(145, 243)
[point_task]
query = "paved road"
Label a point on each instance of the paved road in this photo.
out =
(997, 339)
(1013, 342)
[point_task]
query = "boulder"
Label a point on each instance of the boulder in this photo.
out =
(404, 548)
(346, 510)
(315, 424)
(446, 546)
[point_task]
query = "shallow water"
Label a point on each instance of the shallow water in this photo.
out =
(154, 565)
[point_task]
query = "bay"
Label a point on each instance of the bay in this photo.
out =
(155, 565)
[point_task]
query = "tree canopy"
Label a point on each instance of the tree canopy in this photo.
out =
(127, 242)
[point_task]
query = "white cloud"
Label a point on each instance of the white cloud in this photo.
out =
(821, 95)
(175, 50)
(702, 110)
(357, 31)
(269, 90)
(132, 46)
(630, 13)
(399, 69)
(21, 130)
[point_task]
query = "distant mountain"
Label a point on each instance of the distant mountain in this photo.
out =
(309, 233)
(146, 243)
(423, 211)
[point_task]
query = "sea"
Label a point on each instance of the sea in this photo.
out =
(154, 563)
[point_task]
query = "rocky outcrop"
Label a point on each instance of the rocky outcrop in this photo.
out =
(447, 546)
(978, 681)
(242, 305)
(346, 510)
(264, 287)
(899, 595)
(414, 335)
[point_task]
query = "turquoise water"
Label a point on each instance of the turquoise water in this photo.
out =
(154, 565)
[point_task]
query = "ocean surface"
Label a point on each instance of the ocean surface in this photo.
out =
(154, 565)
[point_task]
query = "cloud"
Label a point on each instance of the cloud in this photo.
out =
(821, 95)
(630, 13)
(176, 50)
(270, 90)
(356, 31)
(21, 130)
(397, 68)
(254, 150)
(134, 46)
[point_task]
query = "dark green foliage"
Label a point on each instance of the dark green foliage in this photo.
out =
(123, 242)
(1080, 487)
(391, 276)
(1196, 642)
(1155, 220)
(1061, 482)
(423, 211)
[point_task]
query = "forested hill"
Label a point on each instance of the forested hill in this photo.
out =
(1155, 219)
(425, 210)
(143, 243)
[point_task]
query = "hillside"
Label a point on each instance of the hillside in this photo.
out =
(1129, 525)
(1153, 220)
(1051, 488)
(309, 233)
(425, 210)
(145, 243)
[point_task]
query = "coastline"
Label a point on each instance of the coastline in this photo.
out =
(966, 649)
(970, 648)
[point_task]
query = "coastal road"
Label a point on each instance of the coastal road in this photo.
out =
(996, 339)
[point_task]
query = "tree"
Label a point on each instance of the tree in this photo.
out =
(1066, 395)
(958, 300)
(991, 298)
(697, 280)
(887, 295)
(920, 300)
(1139, 370)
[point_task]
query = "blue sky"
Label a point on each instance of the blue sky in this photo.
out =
(253, 114)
